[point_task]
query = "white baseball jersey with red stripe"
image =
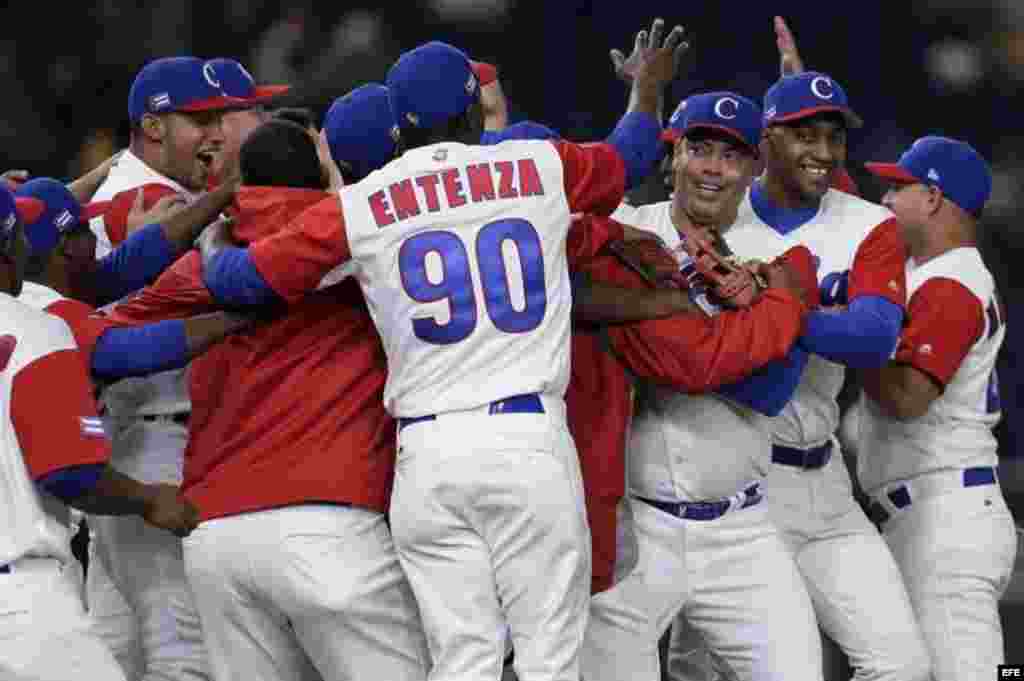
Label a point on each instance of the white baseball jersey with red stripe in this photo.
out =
(954, 331)
(126, 176)
(49, 422)
(845, 235)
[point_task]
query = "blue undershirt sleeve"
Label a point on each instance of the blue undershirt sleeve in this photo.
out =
(134, 264)
(140, 350)
(862, 336)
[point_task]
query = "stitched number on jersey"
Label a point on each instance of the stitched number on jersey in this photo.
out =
(456, 283)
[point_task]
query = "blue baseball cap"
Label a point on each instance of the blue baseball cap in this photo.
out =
(185, 84)
(807, 94)
(728, 112)
(431, 84)
(955, 167)
(359, 129)
(13, 208)
(236, 81)
(62, 212)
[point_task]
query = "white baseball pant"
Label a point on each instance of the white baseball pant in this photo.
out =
(732, 578)
(491, 528)
(145, 563)
(319, 580)
(956, 548)
(45, 634)
(113, 619)
(857, 589)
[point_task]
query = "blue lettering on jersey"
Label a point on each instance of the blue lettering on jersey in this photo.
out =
(456, 284)
(834, 287)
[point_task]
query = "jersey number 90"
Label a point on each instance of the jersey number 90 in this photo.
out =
(456, 284)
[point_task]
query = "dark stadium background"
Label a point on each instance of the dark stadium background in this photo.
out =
(910, 67)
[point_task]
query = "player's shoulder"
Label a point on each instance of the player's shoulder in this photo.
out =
(854, 210)
(652, 217)
(962, 265)
(33, 333)
(38, 297)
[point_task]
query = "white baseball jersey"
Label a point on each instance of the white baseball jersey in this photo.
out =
(956, 430)
(166, 392)
(49, 422)
(689, 447)
(128, 173)
(835, 236)
(460, 251)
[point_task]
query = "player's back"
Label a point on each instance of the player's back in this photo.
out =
(460, 251)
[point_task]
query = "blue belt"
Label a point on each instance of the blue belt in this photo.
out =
(5, 569)
(517, 404)
(807, 459)
(705, 510)
(900, 496)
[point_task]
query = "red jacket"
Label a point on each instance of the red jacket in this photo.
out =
(290, 411)
(692, 353)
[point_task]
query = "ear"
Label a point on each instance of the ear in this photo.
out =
(934, 200)
(154, 128)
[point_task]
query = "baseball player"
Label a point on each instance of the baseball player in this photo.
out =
(694, 535)
(487, 510)
(865, 610)
(299, 478)
(175, 107)
(54, 455)
(927, 453)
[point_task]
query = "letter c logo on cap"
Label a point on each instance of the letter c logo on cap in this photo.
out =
(822, 87)
(720, 108)
(210, 75)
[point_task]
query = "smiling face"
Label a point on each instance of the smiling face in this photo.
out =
(802, 157)
(189, 145)
(711, 170)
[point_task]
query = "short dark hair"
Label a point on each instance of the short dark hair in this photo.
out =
(296, 114)
(281, 153)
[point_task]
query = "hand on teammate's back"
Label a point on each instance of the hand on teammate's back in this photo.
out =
(168, 510)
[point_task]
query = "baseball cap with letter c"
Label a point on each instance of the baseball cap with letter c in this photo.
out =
(807, 94)
(186, 84)
(727, 112)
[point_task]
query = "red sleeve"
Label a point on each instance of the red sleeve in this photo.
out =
(85, 326)
(694, 353)
(588, 235)
(802, 263)
(178, 293)
(595, 176)
(944, 321)
(116, 218)
(879, 265)
(57, 427)
(295, 259)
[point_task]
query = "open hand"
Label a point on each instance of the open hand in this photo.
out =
(650, 57)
